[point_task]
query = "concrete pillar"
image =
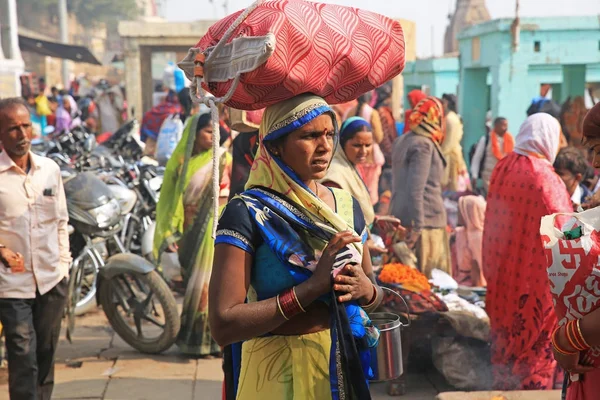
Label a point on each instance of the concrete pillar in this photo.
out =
(409, 29)
(9, 29)
(11, 66)
(63, 21)
(557, 93)
(513, 88)
(133, 76)
(4, 30)
(15, 51)
(573, 81)
(472, 106)
(397, 96)
(147, 87)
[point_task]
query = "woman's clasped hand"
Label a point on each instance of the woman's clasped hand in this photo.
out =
(349, 278)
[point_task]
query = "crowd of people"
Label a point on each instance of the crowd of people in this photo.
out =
(401, 178)
(400, 184)
(313, 188)
(100, 108)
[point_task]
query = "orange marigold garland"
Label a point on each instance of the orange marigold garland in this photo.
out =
(408, 277)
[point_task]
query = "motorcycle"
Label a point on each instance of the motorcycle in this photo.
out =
(135, 299)
(137, 188)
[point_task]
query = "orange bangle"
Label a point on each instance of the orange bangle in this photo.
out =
(572, 337)
(568, 335)
(580, 335)
(580, 343)
(559, 349)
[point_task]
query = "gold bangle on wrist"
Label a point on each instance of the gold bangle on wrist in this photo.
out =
(296, 298)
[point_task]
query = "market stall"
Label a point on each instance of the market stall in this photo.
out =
(449, 328)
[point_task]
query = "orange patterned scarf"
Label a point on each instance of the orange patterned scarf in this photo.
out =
(509, 145)
(427, 119)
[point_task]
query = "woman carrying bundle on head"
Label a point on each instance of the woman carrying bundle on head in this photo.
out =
(292, 281)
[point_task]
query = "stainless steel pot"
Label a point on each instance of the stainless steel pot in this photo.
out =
(386, 358)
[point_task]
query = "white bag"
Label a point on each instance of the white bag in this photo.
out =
(573, 266)
(169, 135)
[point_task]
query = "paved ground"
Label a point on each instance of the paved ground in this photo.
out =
(99, 365)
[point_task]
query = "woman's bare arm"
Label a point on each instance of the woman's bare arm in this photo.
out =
(368, 269)
(231, 319)
(590, 328)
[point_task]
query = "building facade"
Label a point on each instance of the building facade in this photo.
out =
(434, 76)
(501, 69)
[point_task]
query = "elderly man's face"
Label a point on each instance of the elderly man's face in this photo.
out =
(16, 130)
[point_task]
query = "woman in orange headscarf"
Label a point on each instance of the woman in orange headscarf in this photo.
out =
(414, 97)
(418, 167)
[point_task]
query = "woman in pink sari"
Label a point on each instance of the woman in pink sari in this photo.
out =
(469, 237)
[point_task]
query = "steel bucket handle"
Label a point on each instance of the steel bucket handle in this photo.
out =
(405, 303)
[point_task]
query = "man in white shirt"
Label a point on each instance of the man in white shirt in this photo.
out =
(34, 256)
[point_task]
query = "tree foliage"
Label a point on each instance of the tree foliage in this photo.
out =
(88, 12)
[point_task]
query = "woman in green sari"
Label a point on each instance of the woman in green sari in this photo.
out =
(184, 216)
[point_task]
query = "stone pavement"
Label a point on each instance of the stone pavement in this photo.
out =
(99, 365)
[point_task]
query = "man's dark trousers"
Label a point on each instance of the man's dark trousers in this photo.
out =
(32, 329)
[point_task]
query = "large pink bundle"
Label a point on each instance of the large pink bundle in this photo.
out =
(287, 47)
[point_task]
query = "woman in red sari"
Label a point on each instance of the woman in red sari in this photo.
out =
(523, 189)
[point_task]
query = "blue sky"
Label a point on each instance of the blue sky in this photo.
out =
(426, 13)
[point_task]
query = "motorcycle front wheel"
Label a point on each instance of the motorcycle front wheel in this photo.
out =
(142, 310)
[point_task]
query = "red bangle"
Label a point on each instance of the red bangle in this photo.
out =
(573, 339)
(289, 304)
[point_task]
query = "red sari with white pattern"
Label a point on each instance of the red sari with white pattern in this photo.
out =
(523, 189)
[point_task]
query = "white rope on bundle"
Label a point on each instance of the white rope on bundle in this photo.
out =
(200, 96)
